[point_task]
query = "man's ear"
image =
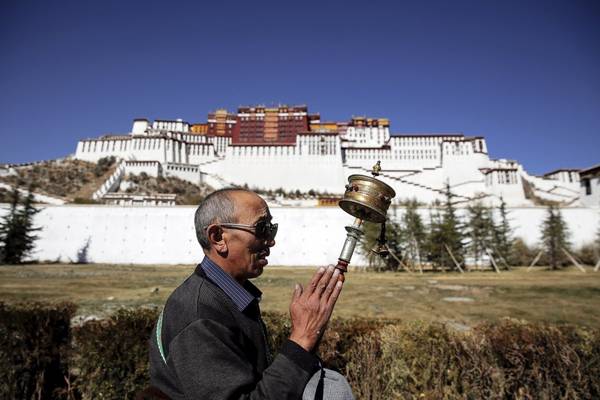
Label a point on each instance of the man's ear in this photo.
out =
(215, 238)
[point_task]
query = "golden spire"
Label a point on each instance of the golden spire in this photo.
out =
(376, 169)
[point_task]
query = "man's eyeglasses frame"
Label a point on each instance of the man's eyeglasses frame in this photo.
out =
(267, 232)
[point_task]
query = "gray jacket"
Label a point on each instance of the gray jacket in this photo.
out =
(214, 351)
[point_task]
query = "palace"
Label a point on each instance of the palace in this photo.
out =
(287, 147)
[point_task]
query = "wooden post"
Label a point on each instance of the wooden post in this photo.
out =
(573, 260)
(399, 260)
(597, 266)
(535, 260)
(406, 267)
(454, 259)
(492, 258)
(501, 258)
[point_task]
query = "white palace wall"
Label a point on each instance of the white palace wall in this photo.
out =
(94, 149)
(165, 235)
(416, 166)
(190, 173)
(151, 168)
(288, 167)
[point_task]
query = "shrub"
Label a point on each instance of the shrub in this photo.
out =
(103, 165)
(278, 329)
(587, 254)
(506, 359)
(363, 368)
(187, 193)
(342, 335)
(591, 366)
(521, 254)
(83, 200)
(33, 350)
(428, 361)
(68, 178)
(112, 355)
(382, 359)
(540, 361)
(5, 195)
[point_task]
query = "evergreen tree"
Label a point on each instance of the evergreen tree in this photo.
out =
(414, 232)
(434, 245)
(16, 229)
(394, 237)
(8, 228)
(502, 238)
(554, 236)
(480, 230)
(452, 231)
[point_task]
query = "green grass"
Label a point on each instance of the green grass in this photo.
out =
(566, 296)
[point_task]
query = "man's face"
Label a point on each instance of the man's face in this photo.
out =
(248, 253)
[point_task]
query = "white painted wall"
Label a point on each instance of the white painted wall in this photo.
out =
(151, 168)
(190, 173)
(550, 189)
(266, 170)
(139, 126)
(369, 136)
(94, 149)
(592, 199)
(165, 235)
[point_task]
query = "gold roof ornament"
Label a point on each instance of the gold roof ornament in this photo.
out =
(376, 169)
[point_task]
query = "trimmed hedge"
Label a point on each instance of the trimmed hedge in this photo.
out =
(506, 360)
(34, 341)
(381, 359)
(111, 356)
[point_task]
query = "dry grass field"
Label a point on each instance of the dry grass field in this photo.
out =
(567, 296)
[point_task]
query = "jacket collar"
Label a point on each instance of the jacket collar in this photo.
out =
(241, 295)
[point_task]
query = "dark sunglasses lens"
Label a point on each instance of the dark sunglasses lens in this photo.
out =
(273, 231)
(266, 230)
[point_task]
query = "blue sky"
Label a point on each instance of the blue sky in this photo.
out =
(525, 74)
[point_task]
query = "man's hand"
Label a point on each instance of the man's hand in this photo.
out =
(311, 308)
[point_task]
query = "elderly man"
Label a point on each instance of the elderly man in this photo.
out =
(210, 341)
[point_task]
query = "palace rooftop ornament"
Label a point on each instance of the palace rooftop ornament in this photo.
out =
(367, 199)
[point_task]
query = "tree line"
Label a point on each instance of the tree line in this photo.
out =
(482, 238)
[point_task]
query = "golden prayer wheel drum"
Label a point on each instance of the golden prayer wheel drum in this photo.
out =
(367, 198)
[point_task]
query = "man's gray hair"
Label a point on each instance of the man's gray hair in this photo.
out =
(217, 207)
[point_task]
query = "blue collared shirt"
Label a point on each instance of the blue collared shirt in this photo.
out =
(241, 295)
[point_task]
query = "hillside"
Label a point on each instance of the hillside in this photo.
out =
(69, 179)
(187, 193)
(5, 196)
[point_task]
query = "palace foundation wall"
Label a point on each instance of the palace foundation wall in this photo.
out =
(308, 236)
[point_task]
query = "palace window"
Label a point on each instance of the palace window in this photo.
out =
(587, 184)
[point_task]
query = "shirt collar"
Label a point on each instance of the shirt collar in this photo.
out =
(241, 295)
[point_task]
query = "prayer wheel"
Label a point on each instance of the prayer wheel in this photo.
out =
(367, 199)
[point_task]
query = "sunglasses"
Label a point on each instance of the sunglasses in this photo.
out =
(263, 229)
